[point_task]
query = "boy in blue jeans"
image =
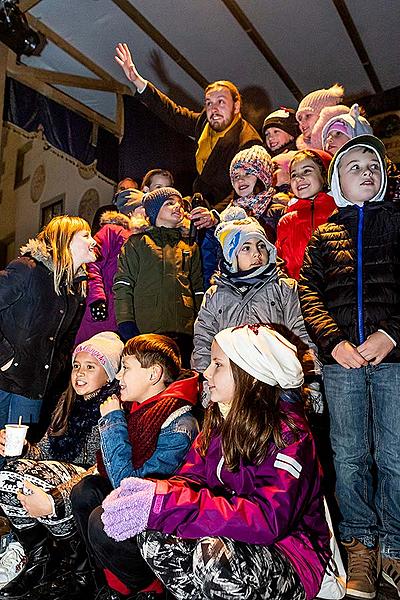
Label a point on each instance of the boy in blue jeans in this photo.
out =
(350, 296)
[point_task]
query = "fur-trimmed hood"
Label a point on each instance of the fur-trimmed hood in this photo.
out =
(136, 224)
(113, 217)
(38, 251)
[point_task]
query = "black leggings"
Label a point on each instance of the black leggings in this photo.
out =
(123, 559)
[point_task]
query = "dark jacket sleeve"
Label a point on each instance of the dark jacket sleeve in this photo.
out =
(178, 117)
(124, 283)
(323, 329)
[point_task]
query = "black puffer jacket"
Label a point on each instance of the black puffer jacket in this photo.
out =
(37, 327)
(341, 300)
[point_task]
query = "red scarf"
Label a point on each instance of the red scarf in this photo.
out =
(144, 425)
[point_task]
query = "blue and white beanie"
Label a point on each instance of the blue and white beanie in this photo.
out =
(234, 231)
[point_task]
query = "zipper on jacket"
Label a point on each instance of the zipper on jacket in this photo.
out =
(312, 215)
(360, 304)
(185, 258)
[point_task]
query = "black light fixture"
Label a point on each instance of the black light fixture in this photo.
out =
(16, 33)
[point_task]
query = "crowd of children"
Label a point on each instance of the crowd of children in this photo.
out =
(180, 459)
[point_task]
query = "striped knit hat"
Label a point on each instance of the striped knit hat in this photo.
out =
(255, 161)
(234, 231)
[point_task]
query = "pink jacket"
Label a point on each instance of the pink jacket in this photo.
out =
(277, 502)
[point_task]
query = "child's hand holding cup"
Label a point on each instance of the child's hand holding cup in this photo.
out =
(14, 438)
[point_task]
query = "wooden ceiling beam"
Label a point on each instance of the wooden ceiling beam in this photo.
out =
(68, 48)
(26, 5)
(261, 45)
(71, 80)
(161, 41)
(61, 97)
(358, 44)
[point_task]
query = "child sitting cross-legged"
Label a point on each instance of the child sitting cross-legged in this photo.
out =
(243, 517)
(35, 489)
(145, 433)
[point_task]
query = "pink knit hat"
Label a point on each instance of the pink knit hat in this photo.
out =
(315, 101)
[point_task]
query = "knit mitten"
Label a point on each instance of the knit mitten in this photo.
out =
(127, 508)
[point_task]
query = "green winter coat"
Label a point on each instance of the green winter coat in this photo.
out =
(158, 284)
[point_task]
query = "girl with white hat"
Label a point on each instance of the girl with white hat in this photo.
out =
(243, 517)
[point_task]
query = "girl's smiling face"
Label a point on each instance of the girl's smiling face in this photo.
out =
(243, 182)
(87, 375)
(306, 178)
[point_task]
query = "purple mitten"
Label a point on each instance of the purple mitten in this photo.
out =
(127, 508)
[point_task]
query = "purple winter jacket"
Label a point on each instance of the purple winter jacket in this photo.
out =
(110, 239)
(277, 502)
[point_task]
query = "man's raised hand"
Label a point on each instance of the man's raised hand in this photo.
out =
(124, 58)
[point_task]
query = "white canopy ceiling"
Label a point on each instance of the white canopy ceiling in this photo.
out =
(308, 39)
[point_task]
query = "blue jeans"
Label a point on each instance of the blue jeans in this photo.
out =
(364, 409)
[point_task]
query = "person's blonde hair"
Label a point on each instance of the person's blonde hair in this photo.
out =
(57, 237)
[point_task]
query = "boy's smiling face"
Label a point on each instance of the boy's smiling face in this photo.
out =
(360, 175)
(275, 138)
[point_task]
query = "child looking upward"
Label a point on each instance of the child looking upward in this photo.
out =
(350, 296)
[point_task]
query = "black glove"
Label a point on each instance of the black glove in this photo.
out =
(127, 330)
(98, 310)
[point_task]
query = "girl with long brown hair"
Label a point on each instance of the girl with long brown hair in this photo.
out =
(244, 516)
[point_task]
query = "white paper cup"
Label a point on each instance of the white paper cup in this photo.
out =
(15, 437)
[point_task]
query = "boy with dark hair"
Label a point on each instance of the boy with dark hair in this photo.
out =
(158, 285)
(350, 296)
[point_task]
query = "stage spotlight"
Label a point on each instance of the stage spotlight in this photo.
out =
(16, 33)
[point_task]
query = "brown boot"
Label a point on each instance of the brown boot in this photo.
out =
(364, 565)
(391, 571)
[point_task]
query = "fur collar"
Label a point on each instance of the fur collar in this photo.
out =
(39, 252)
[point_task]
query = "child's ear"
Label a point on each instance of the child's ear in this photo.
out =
(145, 189)
(156, 374)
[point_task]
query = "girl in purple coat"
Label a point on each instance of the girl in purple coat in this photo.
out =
(244, 516)
(116, 227)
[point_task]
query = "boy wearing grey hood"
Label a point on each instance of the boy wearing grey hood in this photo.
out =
(350, 296)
